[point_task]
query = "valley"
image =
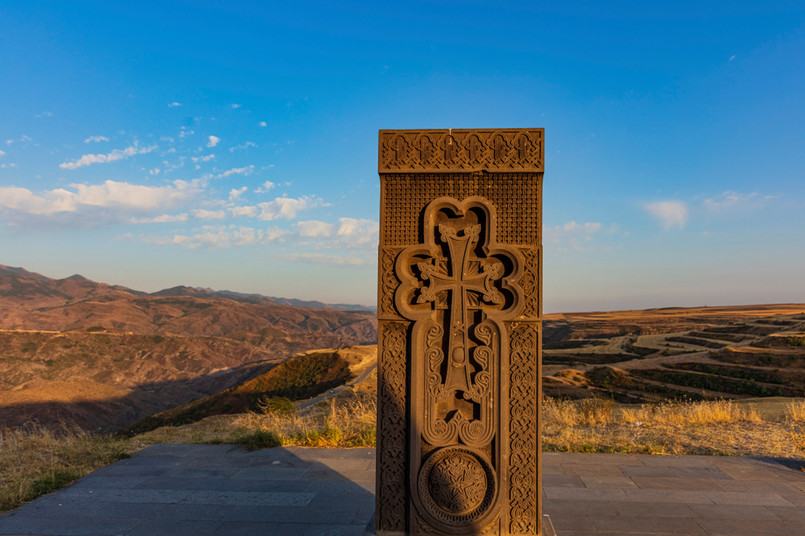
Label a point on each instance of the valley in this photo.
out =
(101, 356)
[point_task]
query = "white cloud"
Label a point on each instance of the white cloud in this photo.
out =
(93, 204)
(117, 154)
(242, 146)
(322, 258)
(222, 237)
(204, 214)
(235, 106)
(184, 132)
(668, 213)
(212, 141)
(165, 218)
(729, 200)
(2, 153)
(235, 193)
(357, 232)
(572, 233)
(243, 211)
(265, 187)
(205, 158)
(263, 124)
(174, 104)
(248, 170)
(96, 139)
(44, 114)
(287, 207)
(314, 229)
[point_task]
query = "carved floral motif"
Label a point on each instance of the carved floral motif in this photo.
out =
(457, 485)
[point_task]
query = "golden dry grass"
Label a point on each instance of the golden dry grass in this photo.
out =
(35, 460)
(347, 422)
(715, 428)
(795, 411)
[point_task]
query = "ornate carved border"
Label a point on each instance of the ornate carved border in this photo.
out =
(451, 150)
(392, 429)
(523, 432)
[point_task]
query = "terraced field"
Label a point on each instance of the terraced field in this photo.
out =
(698, 354)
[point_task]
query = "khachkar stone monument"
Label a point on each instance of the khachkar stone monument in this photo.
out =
(459, 309)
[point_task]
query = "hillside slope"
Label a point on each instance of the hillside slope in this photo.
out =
(146, 352)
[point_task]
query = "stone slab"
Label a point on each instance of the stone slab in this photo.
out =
(757, 497)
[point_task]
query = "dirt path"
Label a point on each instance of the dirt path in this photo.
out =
(332, 392)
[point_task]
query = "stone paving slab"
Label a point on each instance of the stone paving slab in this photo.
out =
(221, 490)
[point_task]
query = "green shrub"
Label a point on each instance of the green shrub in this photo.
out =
(276, 405)
(259, 439)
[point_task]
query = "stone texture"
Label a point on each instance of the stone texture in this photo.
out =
(459, 310)
(341, 505)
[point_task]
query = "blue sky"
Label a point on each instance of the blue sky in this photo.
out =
(233, 145)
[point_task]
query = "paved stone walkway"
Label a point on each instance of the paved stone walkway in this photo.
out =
(202, 490)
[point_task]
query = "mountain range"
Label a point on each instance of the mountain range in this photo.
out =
(103, 356)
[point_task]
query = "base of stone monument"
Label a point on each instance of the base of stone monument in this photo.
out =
(547, 527)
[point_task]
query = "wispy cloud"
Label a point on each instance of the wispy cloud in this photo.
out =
(287, 207)
(117, 154)
(322, 258)
(174, 104)
(235, 106)
(572, 235)
(212, 141)
(246, 170)
(263, 124)
(247, 211)
(205, 158)
(165, 218)
(314, 229)
(2, 153)
(242, 146)
(96, 139)
(22, 139)
(204, 214)
(354, 232)
(94, 204)
(730, 200)
(220, 237)
(669, 213)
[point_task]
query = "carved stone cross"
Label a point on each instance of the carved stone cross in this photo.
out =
(459, 310)
(460, 283)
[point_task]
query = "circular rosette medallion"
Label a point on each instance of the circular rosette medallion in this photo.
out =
(457, 485)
